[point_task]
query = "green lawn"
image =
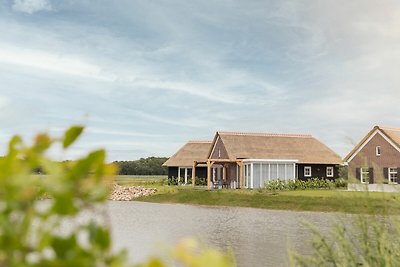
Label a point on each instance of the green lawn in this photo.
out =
(143, 180)
(307, 200)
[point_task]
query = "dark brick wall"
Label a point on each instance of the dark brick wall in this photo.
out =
(317, 171)
(200, 172)
(172, 172)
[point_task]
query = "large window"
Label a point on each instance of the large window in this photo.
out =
(364, 175)
(257, 173)
(329, 171)
(392, 173)
(307, 171)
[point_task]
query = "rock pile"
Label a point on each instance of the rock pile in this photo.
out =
(127, 193)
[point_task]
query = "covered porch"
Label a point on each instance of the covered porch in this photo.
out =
(222, 173)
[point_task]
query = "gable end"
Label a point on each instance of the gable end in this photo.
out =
(353, 154)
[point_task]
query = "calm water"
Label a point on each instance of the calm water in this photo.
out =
(258, 237)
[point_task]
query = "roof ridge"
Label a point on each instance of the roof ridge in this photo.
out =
(388, 128)
(266, 134)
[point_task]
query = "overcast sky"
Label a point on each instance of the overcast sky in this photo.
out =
(146, 76)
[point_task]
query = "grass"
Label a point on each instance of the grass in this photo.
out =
(143, 180)
(300, 200)
(307, 200)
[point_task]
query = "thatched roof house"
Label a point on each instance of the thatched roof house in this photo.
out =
(239, 159)
(302, 147)
(180, 165)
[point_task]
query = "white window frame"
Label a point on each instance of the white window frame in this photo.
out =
(185, 174)
(392, 171)
(329, 171)
(362, 172)
(307, 169)
(378, 151)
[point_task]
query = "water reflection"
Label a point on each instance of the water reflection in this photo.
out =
(258, 237)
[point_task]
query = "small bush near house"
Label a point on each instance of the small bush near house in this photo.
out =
(201, 181)
(314, 183)
(173, 181)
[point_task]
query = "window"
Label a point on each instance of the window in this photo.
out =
(378, 151)
(307, 171)
(329, 171)
(219, 153)
(392, 175)
(364, 175)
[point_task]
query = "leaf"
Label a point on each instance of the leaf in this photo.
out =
(71, 135)
(99, 236)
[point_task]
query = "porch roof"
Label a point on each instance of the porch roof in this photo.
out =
(195, 150)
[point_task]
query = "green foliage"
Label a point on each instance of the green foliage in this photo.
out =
(343, 172)
(314, 183)
(35, 208)
(30, 228)
(143, 166)
(361, 241)
(199, 181)
(71, 135)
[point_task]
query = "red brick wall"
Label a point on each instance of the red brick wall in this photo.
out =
(389, 157)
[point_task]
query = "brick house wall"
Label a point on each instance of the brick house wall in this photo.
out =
(367, 158)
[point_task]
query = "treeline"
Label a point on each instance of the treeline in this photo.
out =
(143, 166)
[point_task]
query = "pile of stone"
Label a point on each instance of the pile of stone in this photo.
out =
(127, 193)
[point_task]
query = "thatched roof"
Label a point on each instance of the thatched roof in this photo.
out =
(393, 134)
(191, 151)
(304, 148)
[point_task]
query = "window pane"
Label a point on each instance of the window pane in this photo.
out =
(290, 171)
(274, 169)
(256, 175)
(265, 173)
(281, 171)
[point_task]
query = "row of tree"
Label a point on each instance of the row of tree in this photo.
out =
(143, 166)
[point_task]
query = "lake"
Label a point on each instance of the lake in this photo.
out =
(258, 237)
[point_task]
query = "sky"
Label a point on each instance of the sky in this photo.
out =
(144, 77)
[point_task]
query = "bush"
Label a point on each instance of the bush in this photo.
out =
(364, 240)
(31, 229)
(173, 181)
(314, 183)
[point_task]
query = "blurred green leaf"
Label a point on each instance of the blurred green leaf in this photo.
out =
(71, 135)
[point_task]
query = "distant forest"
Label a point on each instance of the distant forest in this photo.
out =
(143, 166)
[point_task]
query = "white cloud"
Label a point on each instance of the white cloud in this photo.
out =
(31, 6)
(48, 61)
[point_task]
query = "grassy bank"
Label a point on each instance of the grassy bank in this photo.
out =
(307, 200)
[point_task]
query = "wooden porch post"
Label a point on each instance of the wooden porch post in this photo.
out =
(208, 174)
(240, 163)
(224, 172)
(194, 173)
(209, 165)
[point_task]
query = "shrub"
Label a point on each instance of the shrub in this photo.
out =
(201, 181)
(30, 228)
(365, 240)
(314, 183)
(173, 181)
